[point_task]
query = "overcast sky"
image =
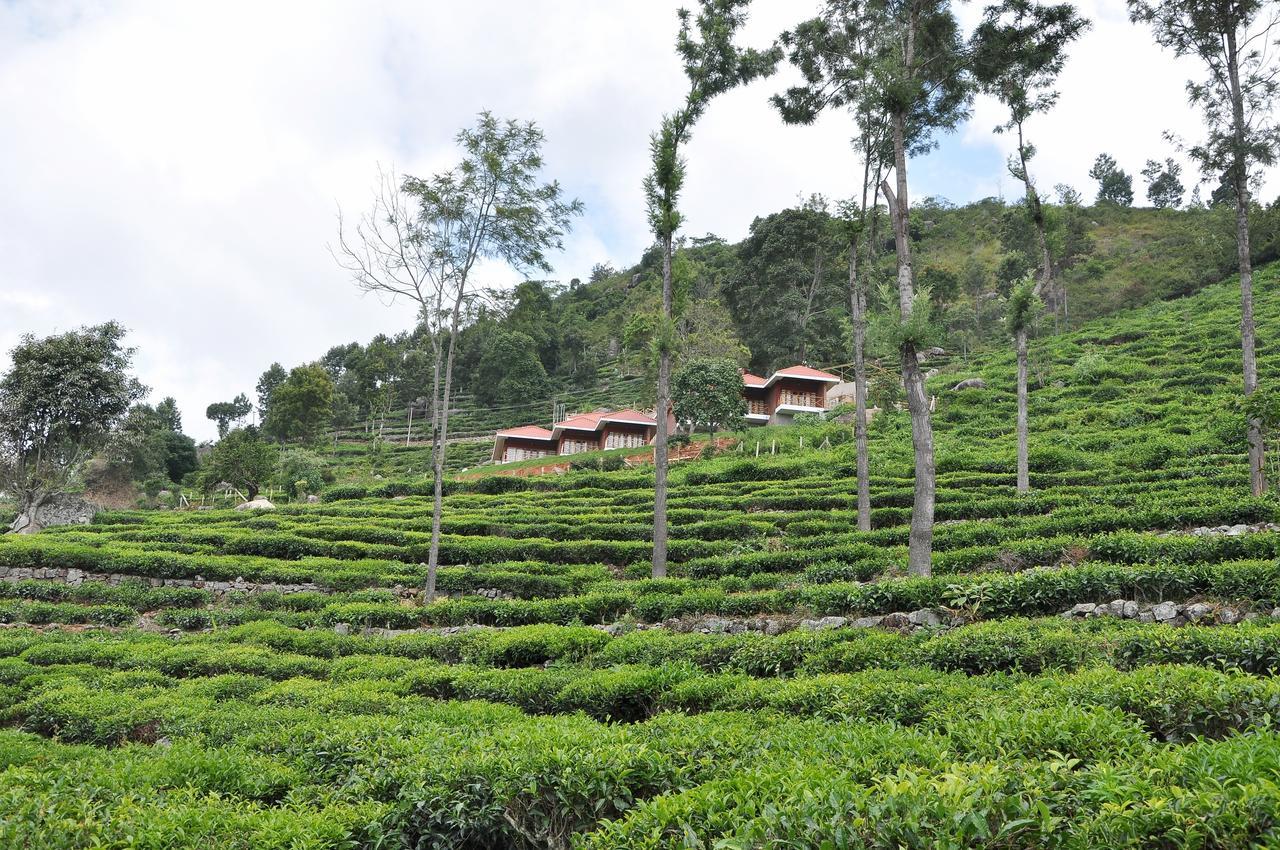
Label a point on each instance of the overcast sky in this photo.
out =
(178, 166)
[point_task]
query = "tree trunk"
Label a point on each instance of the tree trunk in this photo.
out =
(1043, 286)
(857, 310)
(920, 549)
(25, 522)
(1024, 478)
(253, 491)
(1240, 177)
(660, 415)
(437, 484)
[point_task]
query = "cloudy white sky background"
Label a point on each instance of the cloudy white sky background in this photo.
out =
(178, 166)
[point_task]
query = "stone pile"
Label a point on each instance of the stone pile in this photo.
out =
(1172, 613)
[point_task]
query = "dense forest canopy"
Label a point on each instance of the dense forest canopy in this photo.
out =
(777, 297)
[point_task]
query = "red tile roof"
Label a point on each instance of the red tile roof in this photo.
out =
(581, 422)
(804, 372)
(629, 415)
(530, 431)
(753, 380)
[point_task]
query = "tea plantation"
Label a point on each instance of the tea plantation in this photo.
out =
(272, 681)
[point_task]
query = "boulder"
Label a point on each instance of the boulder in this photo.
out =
(1198, 611)
(58, 509)
(255, 505)
(896, 620)
(925, 617)
(970, 384)
(312, 499)
(1164, 611)
(1084, 609)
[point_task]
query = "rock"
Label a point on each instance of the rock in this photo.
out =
(925, 617)
(1228, 616)
(1164, 611)
(1084, 609)
(255, 505)
(970, 384)
(1146, 617)
(935, 351)
(1198, 611)
(867, 622)
(59, 509)
(1237, 530)
(772, 627)
(1130, 610)
(896, 620)
(824, 623)
(716, 625)
(313, 499)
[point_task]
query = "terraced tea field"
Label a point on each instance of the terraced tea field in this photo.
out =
(215, 680)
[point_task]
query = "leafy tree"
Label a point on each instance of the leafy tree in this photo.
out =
(1019, 50)
(145, 446)
(58, 405)
(301, 467)
(300, 406)
(227, 414)
(267, 383)
(510, 371)
(242, 460)
(708, 394)
(1234, 41)
(1114, 185)
(168, 414)
(788, 283)
(713, 65)
(1164, 189)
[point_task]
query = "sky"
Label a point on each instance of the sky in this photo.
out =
(178, 167)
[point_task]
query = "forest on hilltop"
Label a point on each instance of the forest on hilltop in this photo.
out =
(780, 297)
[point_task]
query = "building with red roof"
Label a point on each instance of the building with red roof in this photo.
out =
(774, 400)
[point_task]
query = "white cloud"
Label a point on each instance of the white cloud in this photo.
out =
(177, 166)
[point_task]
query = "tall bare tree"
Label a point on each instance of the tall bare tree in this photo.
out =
(1018, 51)
(1236, 42)
(490, 206)
(713, 64)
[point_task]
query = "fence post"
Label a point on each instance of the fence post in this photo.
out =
(773, 449)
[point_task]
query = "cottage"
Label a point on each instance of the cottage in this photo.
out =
(772, 401)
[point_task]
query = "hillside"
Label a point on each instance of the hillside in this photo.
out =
(273, 681)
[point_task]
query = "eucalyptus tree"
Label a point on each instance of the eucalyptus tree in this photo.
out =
(433, 231)
(835, 53)
(1019, 48)
(1235, 41)
(713, 65)
(920, 80)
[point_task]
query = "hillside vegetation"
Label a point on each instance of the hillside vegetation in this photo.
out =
(559, 697)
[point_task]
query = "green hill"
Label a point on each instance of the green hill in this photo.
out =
(786, 686)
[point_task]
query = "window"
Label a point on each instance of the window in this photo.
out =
(572, 447)
(517, 453)
(799, 399)
(758, 406)
(624, 440)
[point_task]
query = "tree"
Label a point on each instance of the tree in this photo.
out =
(510, 371)
(1164, 189)
(713, 64)
(242, 460)
(425, 236)
(835, 53)
(267, 383)
(168, 414)
(300, 406)
(1114, 185)
(58, 405)
(924, 88)
(226, 414)
(708, 394)
(1233, 39)
(786, 285)
(1019, 50)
